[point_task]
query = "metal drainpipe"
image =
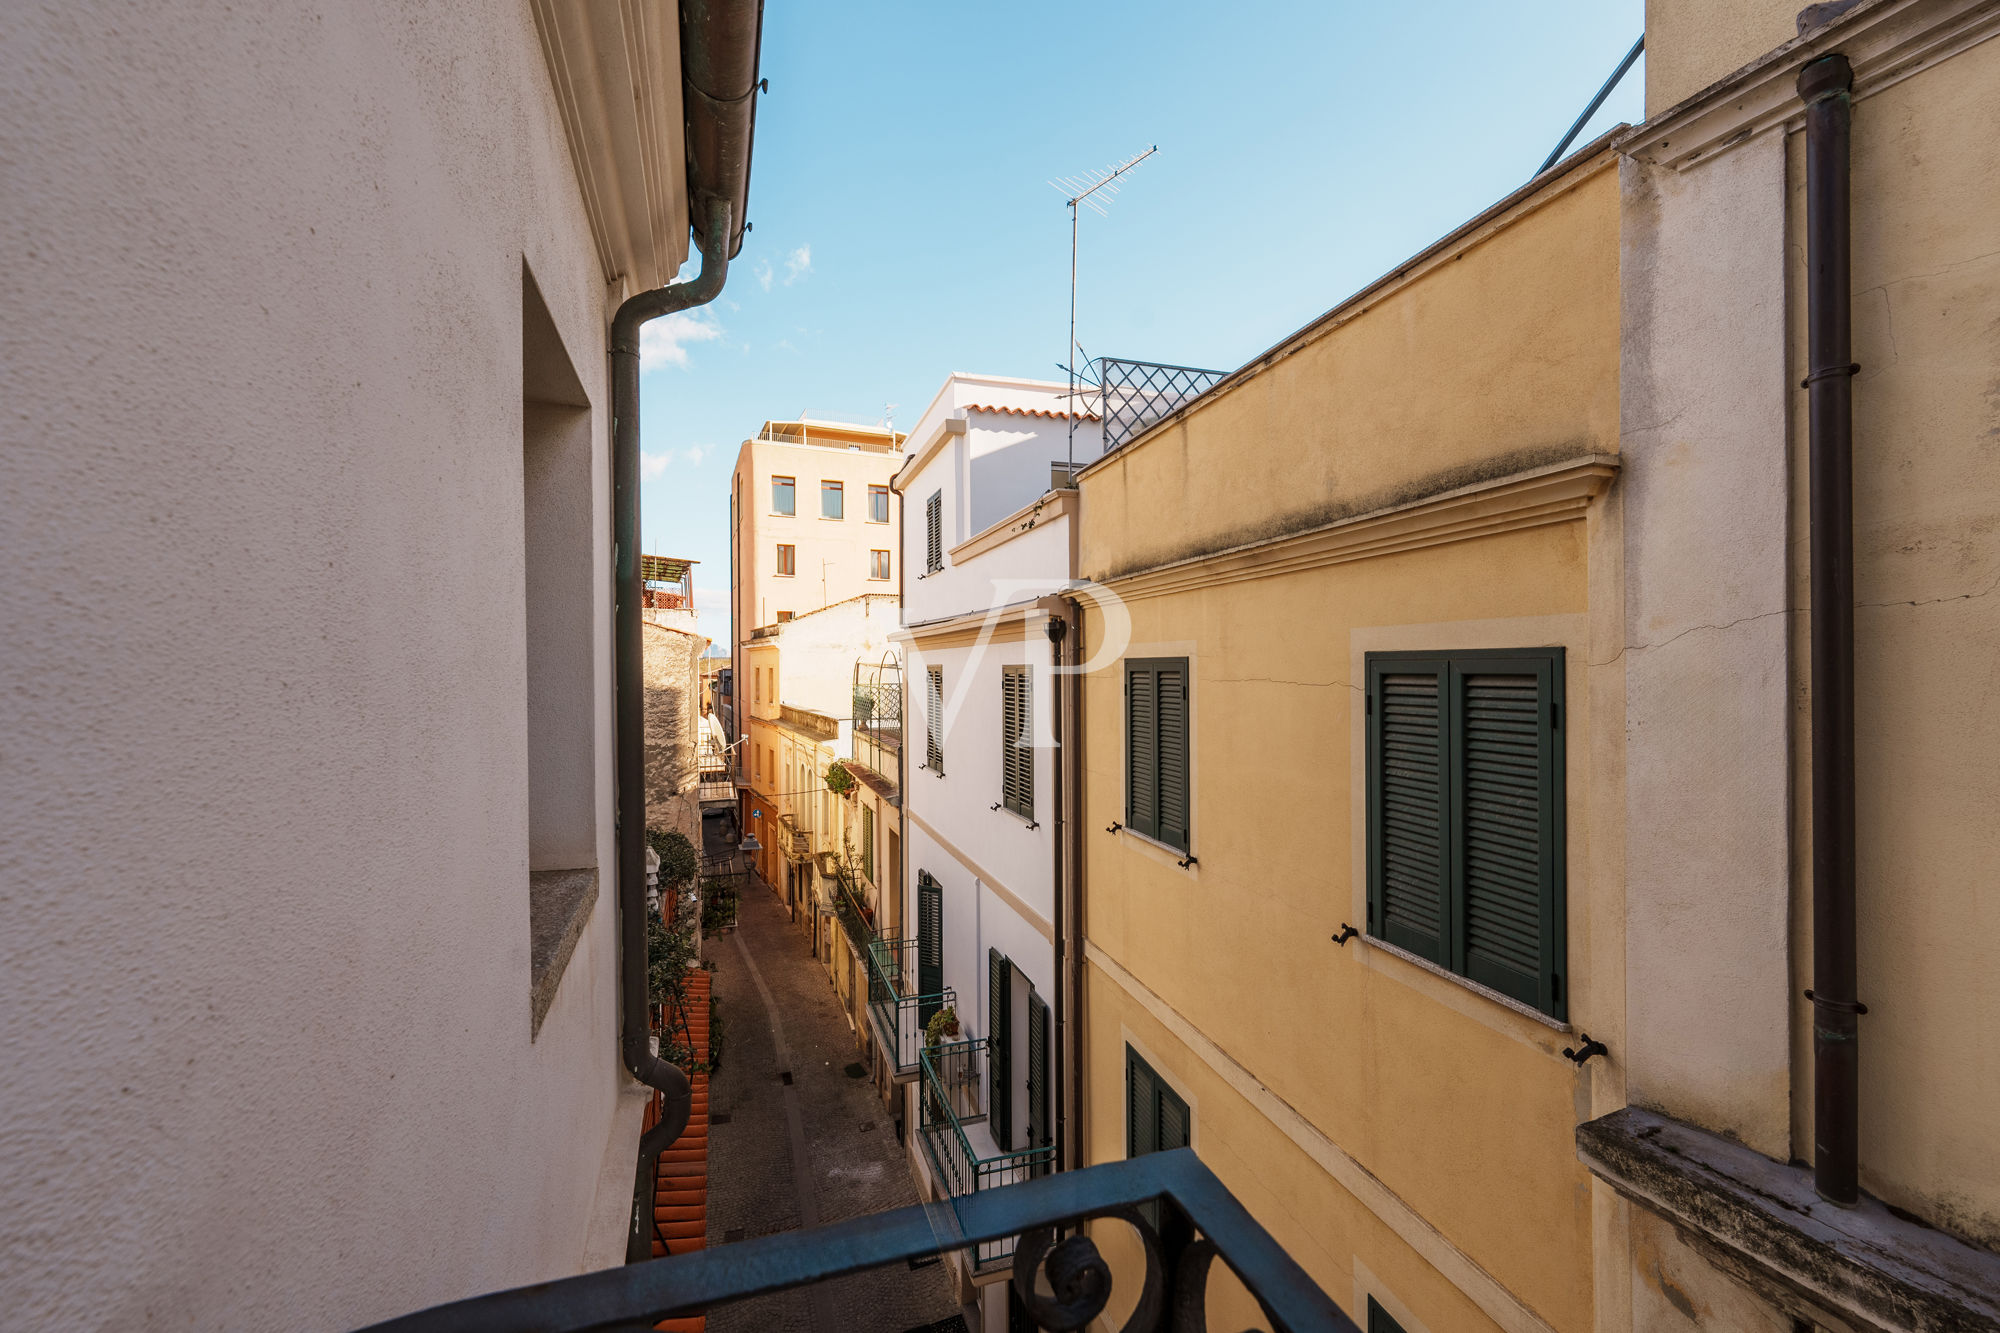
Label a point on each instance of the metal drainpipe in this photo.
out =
(1825, 86)
(635, 1037)
(1065, 629)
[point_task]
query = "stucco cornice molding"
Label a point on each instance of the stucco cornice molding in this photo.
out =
(1002, 624)
(616, 72)
(1554, 493)
(1886, 41)
(919, 457)
(1036, 513)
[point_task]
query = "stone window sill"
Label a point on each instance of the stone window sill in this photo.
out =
(1761, 1221)
(559, 902)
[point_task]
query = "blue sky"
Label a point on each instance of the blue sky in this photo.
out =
(903, 227)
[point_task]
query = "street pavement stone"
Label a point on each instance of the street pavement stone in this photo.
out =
(855, 1164)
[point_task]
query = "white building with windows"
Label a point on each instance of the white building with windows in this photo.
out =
(989, 529)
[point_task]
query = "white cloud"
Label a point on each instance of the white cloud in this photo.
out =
(763, 271)
(798, 264)
(664, 341)
(653, 466)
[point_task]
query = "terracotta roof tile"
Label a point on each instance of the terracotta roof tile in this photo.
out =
(680, 1196)
(1029, 412)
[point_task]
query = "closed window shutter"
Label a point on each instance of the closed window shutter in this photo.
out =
(999, 1049)
(1408, 861)
(934, 719)
(1379, 1320)
(1506, 851)
(934, 533)
(1017, 759)
(1038, 1071)
(1141, 1098)
(868, 842)
(1171, 678)
(930, 945)
(1142, 764)
(1465, 816)
(1175, 1124)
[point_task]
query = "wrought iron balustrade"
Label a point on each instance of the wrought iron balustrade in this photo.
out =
(1200, 1221)
(898, 1013)
(957, 1138)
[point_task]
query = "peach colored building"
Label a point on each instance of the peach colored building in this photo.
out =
(812, 522)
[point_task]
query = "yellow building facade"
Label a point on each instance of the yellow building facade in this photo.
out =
(1568, 449)
(1438, 443)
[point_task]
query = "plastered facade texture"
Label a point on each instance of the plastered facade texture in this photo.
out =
(673, 730)
(264, 988)
(1363, 1108)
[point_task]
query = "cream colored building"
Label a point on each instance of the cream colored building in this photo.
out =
(1461, 914)
(310, 949)
(812, 521)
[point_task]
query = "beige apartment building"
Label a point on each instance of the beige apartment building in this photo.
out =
(1536, 1001)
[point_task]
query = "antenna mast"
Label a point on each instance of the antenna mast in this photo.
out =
(1080, 189)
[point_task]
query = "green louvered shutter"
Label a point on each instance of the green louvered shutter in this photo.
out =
(1142, 762)
(934, 718)
(1379, 1320)
(868, 842)
(1175, 1125)
(1505, 850)
(934, 533)
(930, 945)
(1171, 678)
(1141, 1102)
(1408, 861)
(1038, 1071)
(1017, 758)
(999, 1049)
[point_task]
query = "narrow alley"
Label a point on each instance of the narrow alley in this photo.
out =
(798, 1136)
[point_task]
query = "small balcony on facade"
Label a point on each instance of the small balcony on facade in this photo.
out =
(795, 842)
(712, 764)
(964, 1156)
(666, 590)
(898, 1011)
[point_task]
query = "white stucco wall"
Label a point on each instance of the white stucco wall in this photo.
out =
(1705, 479)
(263, 836)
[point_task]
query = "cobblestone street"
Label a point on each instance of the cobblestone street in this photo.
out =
(796, 1140)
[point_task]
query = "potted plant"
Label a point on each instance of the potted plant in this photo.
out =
(838, 780)
(943, 1026)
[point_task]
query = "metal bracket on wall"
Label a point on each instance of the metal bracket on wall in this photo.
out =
(1115, 826)
(1189, 861)
(1591, 1046)
(1347, 933)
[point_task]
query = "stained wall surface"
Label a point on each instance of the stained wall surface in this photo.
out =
(264, 987)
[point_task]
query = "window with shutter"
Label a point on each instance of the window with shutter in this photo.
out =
(1156, 749)
(934, 533)
(1156, 1119)
(868, 842)
(999, 1048)
(1038, 1072)
(934, 719)
(1017, 755)
(1465, 833)
(930, 945)
(1379, 1320)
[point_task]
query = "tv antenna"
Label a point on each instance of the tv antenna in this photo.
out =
(1094, 190)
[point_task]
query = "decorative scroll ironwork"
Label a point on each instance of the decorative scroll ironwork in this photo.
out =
(1135, 394)
(1200, 1221)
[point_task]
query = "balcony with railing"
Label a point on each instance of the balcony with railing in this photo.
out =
(964, 1156)
(897, 1010)
(1061, 1283)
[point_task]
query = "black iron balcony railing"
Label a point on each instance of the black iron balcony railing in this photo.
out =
(1138, 393)
(959, 1140)
(1200, 1221)
(898, 1013)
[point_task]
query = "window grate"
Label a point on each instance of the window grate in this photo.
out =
(1138, 393)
